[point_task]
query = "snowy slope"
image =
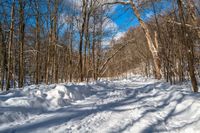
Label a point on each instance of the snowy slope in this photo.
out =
(134, 105)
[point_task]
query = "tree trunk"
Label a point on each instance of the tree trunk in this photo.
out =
(54, 40)
(190, 56)
(152, 48)
(9, 73)
(37, 47)
(81, 41)
(49, 45)
(3, 57)
(87, 41)
(21, 42)
(94, 47)
(71, 52)
(47, 60)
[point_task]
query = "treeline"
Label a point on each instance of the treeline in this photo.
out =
(51, 41)
(175, 39)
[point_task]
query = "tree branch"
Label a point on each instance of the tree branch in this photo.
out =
(116, 2)
(188, 25)
(109, 58)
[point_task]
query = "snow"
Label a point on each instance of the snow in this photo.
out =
(132, 105)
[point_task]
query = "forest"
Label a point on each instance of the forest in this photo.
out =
(53, 41)
(99, 66)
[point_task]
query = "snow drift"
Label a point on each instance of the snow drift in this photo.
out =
(37, 99)
(132, 105)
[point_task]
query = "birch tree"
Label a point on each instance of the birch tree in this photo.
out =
(151, 44)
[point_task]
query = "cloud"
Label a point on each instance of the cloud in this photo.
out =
(106, 42)
(73, 3)
(119, 35)
(149, 14)
(109, 25)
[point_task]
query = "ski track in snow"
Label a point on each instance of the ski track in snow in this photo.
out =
(134, 105)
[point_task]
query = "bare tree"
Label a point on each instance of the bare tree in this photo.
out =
(21, 42)
(151, 45)
(10, 44)
(189, 46)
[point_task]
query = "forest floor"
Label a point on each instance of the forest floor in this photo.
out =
(134, 105)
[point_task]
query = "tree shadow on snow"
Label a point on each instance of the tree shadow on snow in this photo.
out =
(78, 112)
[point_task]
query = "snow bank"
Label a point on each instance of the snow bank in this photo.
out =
(62, 95)
(132, 104)
(36, 99)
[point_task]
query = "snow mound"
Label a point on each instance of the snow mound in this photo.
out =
(133, 105)
(62, 95)
(38, 99)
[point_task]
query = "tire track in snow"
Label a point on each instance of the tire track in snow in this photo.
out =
(99, 116)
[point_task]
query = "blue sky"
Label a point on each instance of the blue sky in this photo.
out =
(124, 17)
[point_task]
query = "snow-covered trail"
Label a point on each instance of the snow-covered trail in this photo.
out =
(132, 105)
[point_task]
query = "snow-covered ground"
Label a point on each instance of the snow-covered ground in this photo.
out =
(134, 105)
